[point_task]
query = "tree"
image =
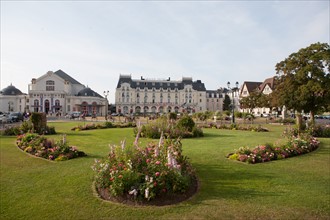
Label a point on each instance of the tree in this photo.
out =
(303, 80)
(252, 101)
(226, 103)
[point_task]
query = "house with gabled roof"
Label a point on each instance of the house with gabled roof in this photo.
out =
(266, 87)
(59, 93)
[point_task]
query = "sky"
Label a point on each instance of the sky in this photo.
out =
(212, 41)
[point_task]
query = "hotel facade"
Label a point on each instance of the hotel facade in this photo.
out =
(151, 96)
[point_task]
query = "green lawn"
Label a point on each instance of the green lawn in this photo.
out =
(295, 188)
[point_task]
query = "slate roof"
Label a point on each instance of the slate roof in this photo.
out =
(88, 92)
(65, 76)
(157, 84)
(11, 90)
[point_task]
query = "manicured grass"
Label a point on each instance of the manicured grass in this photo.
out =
(295, 188)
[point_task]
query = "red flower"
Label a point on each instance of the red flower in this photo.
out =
(148, 160)
(157, 173)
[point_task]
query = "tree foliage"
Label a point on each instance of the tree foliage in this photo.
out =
(226, 103)
(303, 80)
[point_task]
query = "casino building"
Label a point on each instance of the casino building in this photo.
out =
(59, 93)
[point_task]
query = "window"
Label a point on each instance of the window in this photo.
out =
(36, 105)
(50, 85)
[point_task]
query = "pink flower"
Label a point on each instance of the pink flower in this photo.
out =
(157, 173)
(120, 176)
(157, 162)
(148, 160)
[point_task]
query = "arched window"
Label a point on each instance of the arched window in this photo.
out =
(47, 106)
(84, 108)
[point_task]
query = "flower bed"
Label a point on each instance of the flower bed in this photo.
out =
(40, 146)
(93, 126)
(132, 174)
(295, 146)
(237, 127)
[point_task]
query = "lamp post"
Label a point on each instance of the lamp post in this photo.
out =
(106, 93)
(233, 89)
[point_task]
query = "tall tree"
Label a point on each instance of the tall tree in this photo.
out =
(304, 80)
(252, 101)
(226, 103)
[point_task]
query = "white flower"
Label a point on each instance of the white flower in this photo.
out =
(133, 192)
(146, 193)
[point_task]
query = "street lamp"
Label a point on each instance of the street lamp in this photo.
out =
(233, 89)
(106, 93)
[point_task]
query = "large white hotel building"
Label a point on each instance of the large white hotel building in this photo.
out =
(150, 96)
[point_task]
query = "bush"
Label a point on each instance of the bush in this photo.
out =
(144, 174)
(186, 123)
(39, 122)
(27, 127)
(185, 128)
(320, 131)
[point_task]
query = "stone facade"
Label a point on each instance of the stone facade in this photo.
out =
(151, 96)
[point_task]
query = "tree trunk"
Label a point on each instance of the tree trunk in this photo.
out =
(299, 122)
(312, 119)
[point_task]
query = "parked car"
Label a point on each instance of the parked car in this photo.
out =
(3, 118)
(74, 115)
(15, 117)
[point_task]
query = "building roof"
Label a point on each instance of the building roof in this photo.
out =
(269, 82)
(157, 84)
(11, 90)
(88, 92)
(251, 86)
(66, 77)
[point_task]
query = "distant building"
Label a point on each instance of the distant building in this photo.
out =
(265, 87)
(151, 96)
(214, 99)
(59, 93)
(12, 100)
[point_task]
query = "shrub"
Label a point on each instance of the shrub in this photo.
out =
(144, 174)
(320, 131)
(185, 128)
(39, 122)
(12, 131)
(186, 123)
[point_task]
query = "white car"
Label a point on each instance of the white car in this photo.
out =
(3, 118)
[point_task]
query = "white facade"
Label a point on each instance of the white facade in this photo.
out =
(58, 93)
(12, 100)
(149, 96)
